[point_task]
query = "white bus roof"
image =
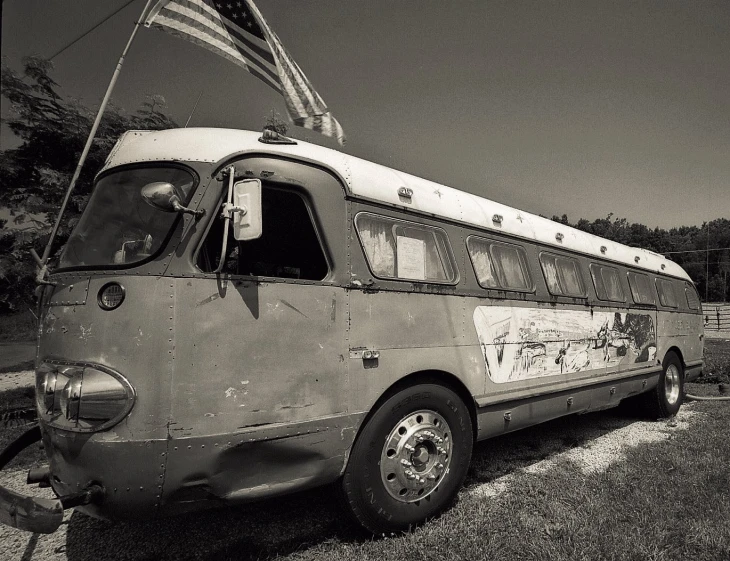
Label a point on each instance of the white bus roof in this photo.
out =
(374, 182)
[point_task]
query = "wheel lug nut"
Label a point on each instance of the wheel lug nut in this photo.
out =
(409, 448)
(431, 477)
(406, 463)
(440, 466)
(419, 438)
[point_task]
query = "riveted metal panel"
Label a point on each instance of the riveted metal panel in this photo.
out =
(72, 291)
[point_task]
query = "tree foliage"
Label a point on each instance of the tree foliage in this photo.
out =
(35, 174)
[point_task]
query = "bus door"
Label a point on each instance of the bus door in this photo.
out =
(266, 337)
(259, 351)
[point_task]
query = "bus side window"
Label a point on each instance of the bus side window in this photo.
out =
(607, 283)
(404, 250)
(562, 275)
(499, 265)
(288, 248)
(641, 290)
(667, 296)
(693, 301)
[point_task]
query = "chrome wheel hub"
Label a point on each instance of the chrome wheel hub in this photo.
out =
(671, 384)
(416, 456)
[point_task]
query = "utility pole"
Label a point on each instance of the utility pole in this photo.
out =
(707, 261)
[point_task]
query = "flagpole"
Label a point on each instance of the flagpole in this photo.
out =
(92, 133)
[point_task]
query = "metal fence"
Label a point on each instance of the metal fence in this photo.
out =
(717, 316)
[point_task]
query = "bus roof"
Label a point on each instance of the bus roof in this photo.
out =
(374, 182)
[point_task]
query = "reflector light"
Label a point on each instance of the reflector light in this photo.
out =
(111, 296)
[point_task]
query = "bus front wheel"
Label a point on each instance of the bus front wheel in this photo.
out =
(410, 459)
(666, 399)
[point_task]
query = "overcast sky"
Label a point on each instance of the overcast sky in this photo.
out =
(585, 108)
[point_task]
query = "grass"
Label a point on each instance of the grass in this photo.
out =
(717, 362)
(17, 327)
(665, 500)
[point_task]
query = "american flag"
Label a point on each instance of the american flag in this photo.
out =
(236, 30)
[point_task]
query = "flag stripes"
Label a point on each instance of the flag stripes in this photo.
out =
(236, 30)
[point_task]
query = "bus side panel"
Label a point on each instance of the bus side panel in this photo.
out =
(413, 332)
(256, 353)
(681, 330)
(260, 389)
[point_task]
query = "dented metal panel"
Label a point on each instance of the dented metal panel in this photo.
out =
(255, 353)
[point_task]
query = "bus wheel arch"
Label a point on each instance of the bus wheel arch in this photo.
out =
(410, 456)
(676, 351)
(665, 399)
(436, 377)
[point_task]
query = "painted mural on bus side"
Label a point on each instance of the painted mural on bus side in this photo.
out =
(525, 343)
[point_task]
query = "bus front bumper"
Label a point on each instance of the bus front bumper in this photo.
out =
(35, 514)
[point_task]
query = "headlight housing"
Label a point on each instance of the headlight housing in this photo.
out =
(82, 397)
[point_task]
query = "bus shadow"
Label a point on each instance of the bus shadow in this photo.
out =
(500, 456)
(260, 530)
(279, 527)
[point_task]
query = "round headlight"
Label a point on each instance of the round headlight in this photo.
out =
(111, 296)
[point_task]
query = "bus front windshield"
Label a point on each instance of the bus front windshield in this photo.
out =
(118, 227)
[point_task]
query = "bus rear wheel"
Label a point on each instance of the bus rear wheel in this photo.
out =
(666, 399)
(410, 459)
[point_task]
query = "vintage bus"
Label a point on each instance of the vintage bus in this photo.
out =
(240, 315)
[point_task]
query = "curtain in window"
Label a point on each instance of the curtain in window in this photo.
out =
(479, 253)
(569, 273)
(612, 284)
(377, 239)
(551, 274)
(512, 271)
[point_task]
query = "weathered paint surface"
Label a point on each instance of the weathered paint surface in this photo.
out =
(251, 353)
(521, 343)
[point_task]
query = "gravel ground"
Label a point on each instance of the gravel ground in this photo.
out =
(601, 448)
(11, 380)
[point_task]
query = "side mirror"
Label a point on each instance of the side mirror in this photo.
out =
(163, 196)
(245, 210)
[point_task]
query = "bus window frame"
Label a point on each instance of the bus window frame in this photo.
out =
(524, 263)
(659, 292)
(268, 183)
(689, 287)
(600, 267)
(654, 297)
(165, 246)
(579, 270)
(417, 225)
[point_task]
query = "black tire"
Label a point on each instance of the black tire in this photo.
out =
(666, 399)
(382, 496)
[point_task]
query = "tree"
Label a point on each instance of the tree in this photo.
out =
(34, 175)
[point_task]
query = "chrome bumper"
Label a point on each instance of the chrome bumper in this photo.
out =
(34, 514)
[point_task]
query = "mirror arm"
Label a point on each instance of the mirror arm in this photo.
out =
(227, 219)
(177, 207)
